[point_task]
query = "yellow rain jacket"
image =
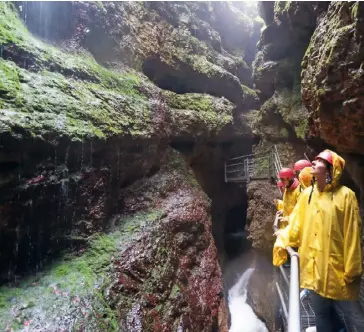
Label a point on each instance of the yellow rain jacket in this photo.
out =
(290, 198)
(305, 178)
(328, 232)
(279, 205)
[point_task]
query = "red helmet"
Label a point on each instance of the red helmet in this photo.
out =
(325, 155)
(295, 184)
(286, 173)
(301, 164)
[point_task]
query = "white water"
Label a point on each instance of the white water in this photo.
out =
(243, 318)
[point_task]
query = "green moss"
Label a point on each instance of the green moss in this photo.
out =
(192, 101)
(201, 65)
(99, 4)
(175, 290)
(10, 90)
(320, 92)
(51, 103)
(282, 7)
(73, 286)
(65, 94)
(202, 112)
(248, 92)
(301, 129)
(13, 33)
(289, 106)
(354, 11)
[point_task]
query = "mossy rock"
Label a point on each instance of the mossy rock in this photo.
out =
(207, 116)
(71, 293)
(48, 93)
(48, 104)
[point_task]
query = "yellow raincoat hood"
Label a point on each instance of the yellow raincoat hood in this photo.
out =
(327, 230)
(337, 170)
(305, 177)
(290, 198)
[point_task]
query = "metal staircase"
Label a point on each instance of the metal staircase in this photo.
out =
(258, 166)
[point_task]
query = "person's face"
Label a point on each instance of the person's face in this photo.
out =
(319, 167)
(285, 181)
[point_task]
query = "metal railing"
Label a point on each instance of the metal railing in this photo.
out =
(258, 166)
(293, 314)
(276, 160)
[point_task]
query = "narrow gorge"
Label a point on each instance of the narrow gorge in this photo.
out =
(116, 120)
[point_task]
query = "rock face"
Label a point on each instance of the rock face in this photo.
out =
(90, 110)
(282, 117)
(156, 267)
(332, 78)
(74, 133)
(176, 283)
(186, 47)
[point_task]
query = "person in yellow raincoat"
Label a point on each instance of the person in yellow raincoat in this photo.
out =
(278, 202)
(300, 165)
(305, 178)
(302, 169)
(326, 226)
(290, 196)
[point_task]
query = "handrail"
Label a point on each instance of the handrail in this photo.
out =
(284, 307)
(246, 166)
(251, 155)
(294, 310)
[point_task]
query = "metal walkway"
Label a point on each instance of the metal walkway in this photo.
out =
(259, 166)
(307, 314)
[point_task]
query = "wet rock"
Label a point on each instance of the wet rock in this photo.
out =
(183, 47)
(332, 78)
(73, 135)
(266, 11)
(277, 65)
(262, 295)
(177, 277)
(155, 269)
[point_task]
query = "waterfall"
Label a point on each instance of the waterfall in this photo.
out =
(243, 318)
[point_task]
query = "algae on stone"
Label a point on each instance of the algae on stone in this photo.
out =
(72, 292)
(52, 92)
(205, 113)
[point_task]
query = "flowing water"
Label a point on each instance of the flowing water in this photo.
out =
(243, 318)
(237, 274)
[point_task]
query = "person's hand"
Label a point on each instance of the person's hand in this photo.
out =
(279, 213)
(283, 219)
(276, 233)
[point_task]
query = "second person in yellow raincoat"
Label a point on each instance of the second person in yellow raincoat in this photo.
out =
(326, 226)
(305, 178)
(290, 195)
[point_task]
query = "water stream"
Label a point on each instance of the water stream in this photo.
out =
(237, 274)
(243, 318)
